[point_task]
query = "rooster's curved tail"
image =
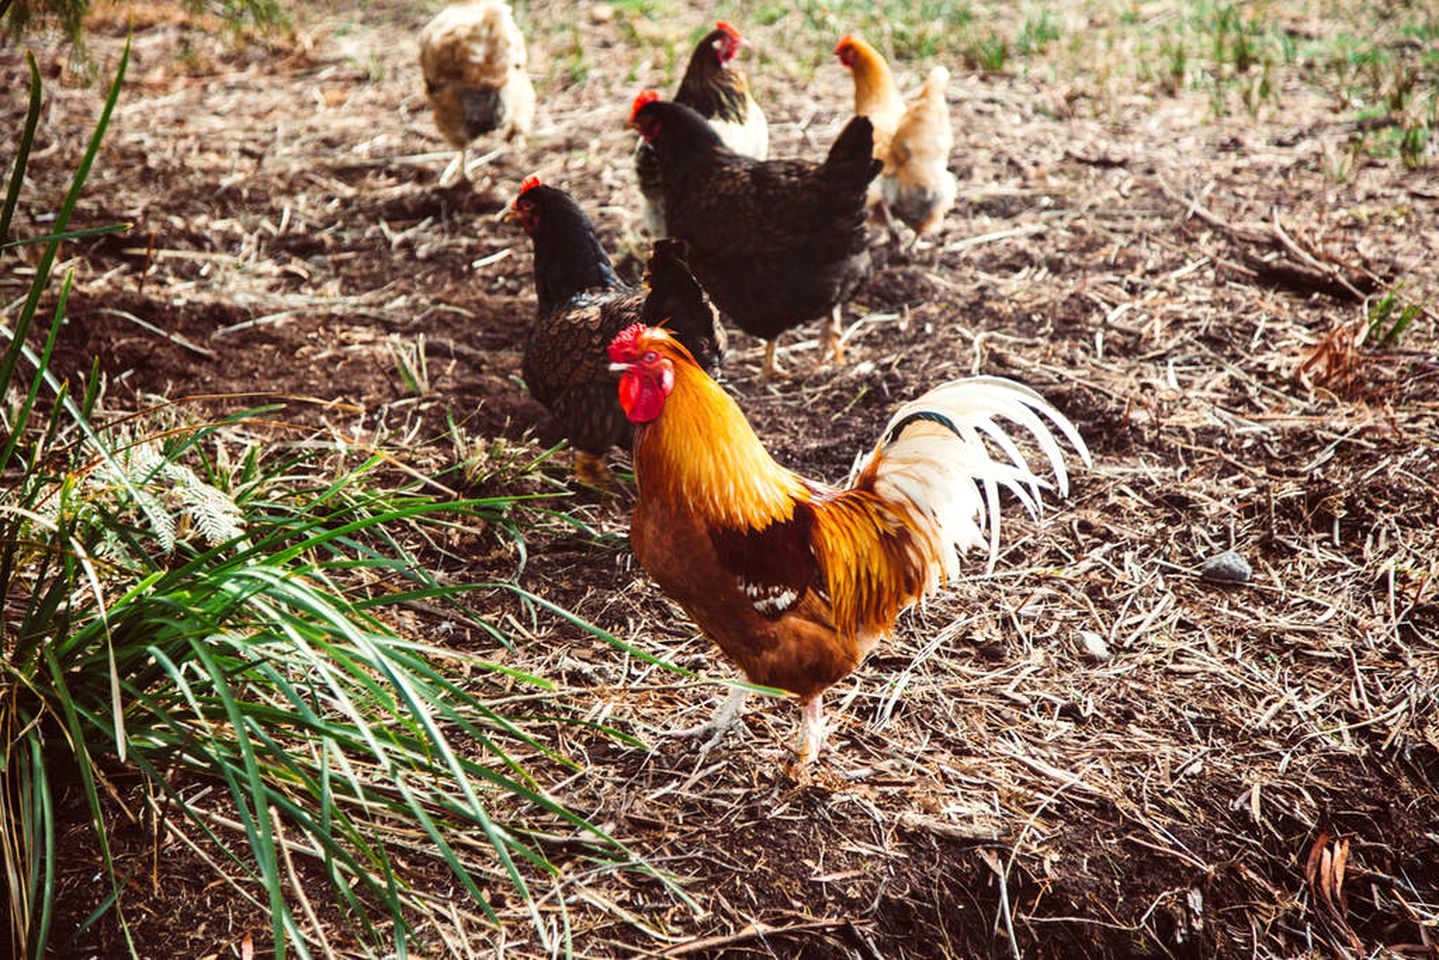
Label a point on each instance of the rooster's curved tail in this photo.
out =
(933, 457)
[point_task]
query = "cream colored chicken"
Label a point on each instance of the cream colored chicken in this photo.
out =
(913, 141)
(473, 58)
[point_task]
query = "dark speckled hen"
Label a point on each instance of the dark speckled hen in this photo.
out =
(582, 306)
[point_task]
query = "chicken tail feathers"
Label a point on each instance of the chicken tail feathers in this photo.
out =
(677, 300)
(851, 157)
(935, 457)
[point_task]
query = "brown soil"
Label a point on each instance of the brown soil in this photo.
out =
(989, 786)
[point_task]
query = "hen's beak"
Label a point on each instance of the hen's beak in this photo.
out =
(508, 215)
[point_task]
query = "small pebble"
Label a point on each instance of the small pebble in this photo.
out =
(601, 13)
(1094, 645)
(1227, 567)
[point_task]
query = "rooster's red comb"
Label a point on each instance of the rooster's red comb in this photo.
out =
(733, 33)
(646, 96)
(625, 347)
(529, 184)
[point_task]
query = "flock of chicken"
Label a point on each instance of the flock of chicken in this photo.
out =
(794, 579)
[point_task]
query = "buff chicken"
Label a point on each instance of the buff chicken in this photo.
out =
(912, 140)
(473, 58)
(795, 579)
(716, 88)
(582, 306)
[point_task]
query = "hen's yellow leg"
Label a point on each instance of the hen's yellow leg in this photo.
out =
(833, 327)
(592, 470)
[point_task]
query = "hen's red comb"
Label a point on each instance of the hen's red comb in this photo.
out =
(844, 41)
(529, 184)
(626, 344)
(646, 96)
(734, 34)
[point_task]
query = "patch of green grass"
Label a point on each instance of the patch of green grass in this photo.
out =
(1038, 32)
(21, 16)
(986, 50)
(411, 364)
(1390, 318)
(225, 603)
(1175, 64)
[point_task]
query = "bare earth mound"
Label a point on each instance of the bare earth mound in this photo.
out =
(1093, 751)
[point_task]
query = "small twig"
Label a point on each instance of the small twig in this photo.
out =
(995, 236)
(992, 861)
(299, 887)
(174, 338)
(749, 932)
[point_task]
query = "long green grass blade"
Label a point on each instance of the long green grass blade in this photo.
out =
(62, 219)
(23, 416)
(67, 235)
(22, 151)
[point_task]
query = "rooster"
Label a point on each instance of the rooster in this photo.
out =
(582, 306)
(913, 142)
(794, 579)
(774, 242)
(716, 88)
(473, 58)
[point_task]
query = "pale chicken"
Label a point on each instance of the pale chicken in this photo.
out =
(474, 61)
(913, 141)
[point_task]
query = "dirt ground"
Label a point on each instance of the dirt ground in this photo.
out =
(1092, 752)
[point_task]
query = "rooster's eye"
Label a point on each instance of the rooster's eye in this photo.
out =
(650, 356)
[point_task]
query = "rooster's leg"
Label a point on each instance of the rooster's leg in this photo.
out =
(716, 726)
(812, 731)
(832, 330)
(591, 469)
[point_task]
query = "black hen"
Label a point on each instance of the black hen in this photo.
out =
(582, 306)
(774, 242)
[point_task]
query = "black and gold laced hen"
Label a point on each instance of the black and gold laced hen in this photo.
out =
(582, 306)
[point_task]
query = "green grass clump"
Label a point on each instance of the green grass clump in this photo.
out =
(214, 607)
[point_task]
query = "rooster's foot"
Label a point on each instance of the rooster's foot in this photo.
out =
(714, 729)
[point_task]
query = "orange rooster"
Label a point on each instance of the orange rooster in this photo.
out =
(912, 141)
(797, 580)
(473, 58)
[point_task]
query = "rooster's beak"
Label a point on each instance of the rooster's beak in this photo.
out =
(619, 367)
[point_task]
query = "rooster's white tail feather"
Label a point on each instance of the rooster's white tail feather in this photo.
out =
(933, 456)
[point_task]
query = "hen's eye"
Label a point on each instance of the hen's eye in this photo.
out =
(650, 356)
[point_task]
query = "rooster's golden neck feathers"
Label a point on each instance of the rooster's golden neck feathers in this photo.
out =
(703, 452)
